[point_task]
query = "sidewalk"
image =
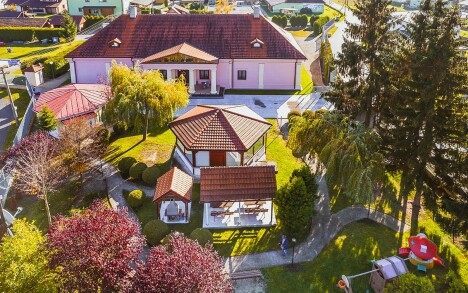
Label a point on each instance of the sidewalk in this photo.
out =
(53, 83)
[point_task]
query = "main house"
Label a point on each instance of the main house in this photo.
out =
(98, 7)
(242, 51)
(38, 6)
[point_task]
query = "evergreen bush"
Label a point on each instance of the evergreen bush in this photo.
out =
(202, 236)
(150, 175)
(125, 164)
(155, 231)
(137, 170)
(120, 127)
(135, 198)
(46, 119)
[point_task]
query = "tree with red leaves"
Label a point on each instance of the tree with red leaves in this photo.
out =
(95, 249)
(180, 266)
(36, 165)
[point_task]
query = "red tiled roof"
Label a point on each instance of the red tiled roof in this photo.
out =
(174, 183)
(237, 183)
(73, 100)
(24, 22)
(220, 35)
(227, 128)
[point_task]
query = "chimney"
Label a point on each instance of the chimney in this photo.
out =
(256, 11)
(133, 11)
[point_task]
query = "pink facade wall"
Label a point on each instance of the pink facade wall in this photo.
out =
(93, 70)
(277, 74)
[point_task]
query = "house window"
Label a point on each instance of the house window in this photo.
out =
(256, 45)
(164, 73)
(204, 74)
(80, 9)
(241, 74)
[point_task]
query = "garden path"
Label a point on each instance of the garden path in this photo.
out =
(325, 227)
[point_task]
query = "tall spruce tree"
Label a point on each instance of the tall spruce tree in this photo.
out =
(69, 27)
(424, 125)
(363, 65)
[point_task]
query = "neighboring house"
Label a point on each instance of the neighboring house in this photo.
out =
(173, 196)
(34, 74)
(177, 9)
(241, 51)
(275, 6)
(79, 20)
(25, 22)
(98, 7)
(209, 136)
(12, 14)
(39, 6)
(75, 101)
(142, 3)
(238, 196)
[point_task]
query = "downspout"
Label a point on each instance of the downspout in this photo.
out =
(232, 74)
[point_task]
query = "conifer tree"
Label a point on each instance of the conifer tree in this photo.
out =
(46, 119)
(424, 125)
(69, 26)
(363, 65)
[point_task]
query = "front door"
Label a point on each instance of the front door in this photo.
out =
(217, 159)
(184, 73)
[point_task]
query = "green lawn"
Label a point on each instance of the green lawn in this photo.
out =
(226, 241)
(27, 52)
(60, 202)
(348, 254)
(157, 149)
(21, 100)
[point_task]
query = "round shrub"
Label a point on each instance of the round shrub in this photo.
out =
(104, 134)
(125, 164)
(203, 236)
(292, 115)
(135, 198)
(150, 175)
(137, 170)
(155, 231)
(308, 114)
(120, 127)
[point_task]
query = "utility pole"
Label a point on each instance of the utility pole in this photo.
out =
(13, 108)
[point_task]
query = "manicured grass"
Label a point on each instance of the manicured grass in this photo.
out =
(21, 100)
(60, 202)
(464, 33)
(306, 81)
(25, 52)
(157, 149)
(348, 254)
(301, 33)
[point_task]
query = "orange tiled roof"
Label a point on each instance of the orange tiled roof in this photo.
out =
(227, 128)
(73, 100)
(184, 49)
(174, 183)
(237, 183)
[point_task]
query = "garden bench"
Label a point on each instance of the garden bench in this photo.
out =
(246, 275)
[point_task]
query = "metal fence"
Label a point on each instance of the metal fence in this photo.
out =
(23, 130)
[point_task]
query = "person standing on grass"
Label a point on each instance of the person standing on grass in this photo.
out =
(284, 244)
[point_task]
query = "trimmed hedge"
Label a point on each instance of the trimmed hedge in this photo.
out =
(137, 170)
(280, 20)
(326, 60)
(28, 34)
(155, 231)
(298, 21)
(125, 164)
(202, 236)
(319, 23)
(92, 19)
(58, 67)
(135, 198)
(150, 175)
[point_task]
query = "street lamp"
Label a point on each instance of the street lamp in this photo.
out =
(52, 67)
(293, 240)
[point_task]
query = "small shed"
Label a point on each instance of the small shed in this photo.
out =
(173, 192)
(34, 74)
(386, 270)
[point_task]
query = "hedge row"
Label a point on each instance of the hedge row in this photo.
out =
(28, 34)
(298, 21)
(319, 23)
(92, 19)
(326, 60)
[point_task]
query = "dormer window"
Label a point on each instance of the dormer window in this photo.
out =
(257, 43)
(115, 43)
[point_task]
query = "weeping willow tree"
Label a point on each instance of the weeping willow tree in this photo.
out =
(348, 150)
(143, 97)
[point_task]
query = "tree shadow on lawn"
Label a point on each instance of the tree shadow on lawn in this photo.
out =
(113, 152)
